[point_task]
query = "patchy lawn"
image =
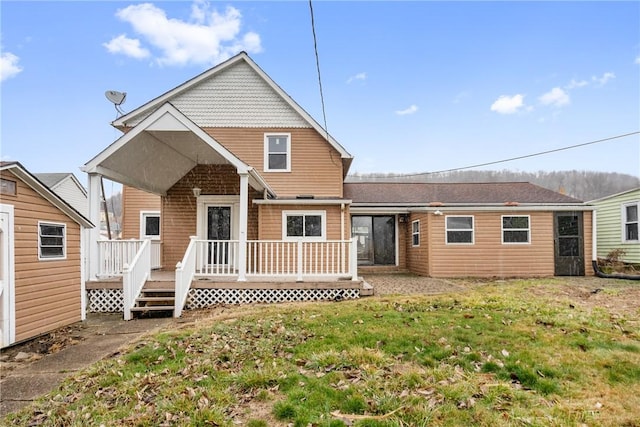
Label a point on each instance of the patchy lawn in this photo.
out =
(510, 352)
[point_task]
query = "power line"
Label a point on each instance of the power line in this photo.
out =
(315, 48)
(521, 157)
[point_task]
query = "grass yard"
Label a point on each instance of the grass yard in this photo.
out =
(507, 353)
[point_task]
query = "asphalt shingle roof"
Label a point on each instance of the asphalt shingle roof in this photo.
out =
(404, 193)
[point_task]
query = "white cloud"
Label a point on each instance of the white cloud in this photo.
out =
(576, 83)
(412, 109)
(208, 37)
(461, 97)
(359, 76)
(508, 104)
(637, 61)
(601, 81)
(126, 46)
(556, 97)
(9, 66)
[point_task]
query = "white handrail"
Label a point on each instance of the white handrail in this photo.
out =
(134, 276)
(185, 271)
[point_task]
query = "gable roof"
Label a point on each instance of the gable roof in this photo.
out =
(166, 145)
(612, 196)
(237, 107)
(53, 180)
(39, 187)
(421, 194)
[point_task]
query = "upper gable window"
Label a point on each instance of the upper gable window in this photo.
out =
(277, 152)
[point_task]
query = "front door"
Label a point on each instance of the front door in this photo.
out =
(219, 228)
(569, 244)
(376, 239)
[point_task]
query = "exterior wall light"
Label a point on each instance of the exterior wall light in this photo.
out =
(196, 192)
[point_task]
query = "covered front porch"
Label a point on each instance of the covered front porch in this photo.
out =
(209, 222)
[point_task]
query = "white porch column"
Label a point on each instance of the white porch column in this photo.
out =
(244, 215)
(94, 197)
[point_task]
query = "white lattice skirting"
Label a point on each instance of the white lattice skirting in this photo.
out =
(105, 301)
(201, 298)
(111, 300)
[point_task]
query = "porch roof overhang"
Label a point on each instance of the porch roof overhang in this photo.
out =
(302, 201)
(161, 149)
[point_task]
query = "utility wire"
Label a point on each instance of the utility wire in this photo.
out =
(315, 48)
(520, 157)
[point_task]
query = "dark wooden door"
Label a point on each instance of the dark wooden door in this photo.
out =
(218, 228)
(569, 244)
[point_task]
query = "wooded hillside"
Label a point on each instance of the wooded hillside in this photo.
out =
(583, 185)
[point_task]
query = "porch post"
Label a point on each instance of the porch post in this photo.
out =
(94, 198)
(244, 215)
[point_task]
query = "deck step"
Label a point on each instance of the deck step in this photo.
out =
(154, 308)
(156, 299)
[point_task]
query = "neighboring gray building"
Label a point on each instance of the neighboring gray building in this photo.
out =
(67, 186)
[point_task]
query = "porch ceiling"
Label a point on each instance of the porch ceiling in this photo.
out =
(155, 160)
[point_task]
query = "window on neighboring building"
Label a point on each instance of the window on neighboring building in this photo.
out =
(277, 152)
(150, 225)
(459, 229)
(515, 229)
(306, 225)
(415, 233)
(51, 240)
(630, 218)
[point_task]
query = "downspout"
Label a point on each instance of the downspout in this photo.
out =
(342, 221)
(594, 256)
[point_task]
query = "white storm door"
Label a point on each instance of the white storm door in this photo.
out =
(7, 290)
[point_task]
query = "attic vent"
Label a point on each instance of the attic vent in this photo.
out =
(305, 196)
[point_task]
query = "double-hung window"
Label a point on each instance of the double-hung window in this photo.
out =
(459, 229)
(516, 229)
(277, 152)
(630, 222)
(150, 225)
(415, 233)
(51, 240)
(307, 225)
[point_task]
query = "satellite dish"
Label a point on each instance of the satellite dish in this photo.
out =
(116, 98)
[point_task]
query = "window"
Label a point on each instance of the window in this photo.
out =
(305, 225)
(51, 241)
(150, 225)
(459, 229)
(277, 152)
(7, 187)
(415, 233)
(630, 218)
(515, 229)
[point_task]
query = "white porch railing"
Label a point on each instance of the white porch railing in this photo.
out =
(113, 255)
(134, 276)
(275, 258)
(185, 271)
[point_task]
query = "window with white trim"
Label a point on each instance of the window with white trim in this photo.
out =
(630, 222)
(415, 233)
(306, 225)
(277, 152)
(459, 229)
(150, 225)
(51, 240)
(516, 229)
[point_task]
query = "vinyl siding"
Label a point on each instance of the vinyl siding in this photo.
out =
(418, 256)
(47, 292)
(610, 227)
(134, 201)
(271, 220)
(70, 193)
(488, 257)
(316, 167)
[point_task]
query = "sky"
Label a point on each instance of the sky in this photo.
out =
(408, 87)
